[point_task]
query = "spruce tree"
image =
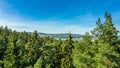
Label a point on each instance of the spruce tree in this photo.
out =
(106, 32)
(32, 49)
(67, 47)
(10, 59)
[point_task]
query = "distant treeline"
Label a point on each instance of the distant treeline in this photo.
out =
(60, 35)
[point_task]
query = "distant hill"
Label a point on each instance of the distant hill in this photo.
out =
(60, 35)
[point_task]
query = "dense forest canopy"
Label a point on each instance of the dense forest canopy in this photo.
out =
(24, 50)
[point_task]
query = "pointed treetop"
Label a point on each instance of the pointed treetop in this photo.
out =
(70, 36)
(107, 16)
(98, 21)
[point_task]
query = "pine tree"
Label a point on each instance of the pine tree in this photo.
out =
(106, 32)
(4, 33)
(67, 47)
(106, 37)
(87, 39)
(21, 49)
(10, 54)
(32, 49)
(58, 55)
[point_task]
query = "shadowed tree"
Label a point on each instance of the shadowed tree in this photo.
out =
(67, 47)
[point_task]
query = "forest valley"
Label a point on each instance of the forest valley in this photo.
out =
(100, 49)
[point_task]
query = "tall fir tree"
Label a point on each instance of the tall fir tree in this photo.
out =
(10, 60)
(32, 49)
(67, 47)
(106, 32)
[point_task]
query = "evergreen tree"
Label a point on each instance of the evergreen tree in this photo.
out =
(106, 32)
(106, 36)
(20, 49)
(67, 47)
(4, 33)
(32, 49)
(10, 53)
(86, 40)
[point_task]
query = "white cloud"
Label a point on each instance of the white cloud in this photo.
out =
(44, 26)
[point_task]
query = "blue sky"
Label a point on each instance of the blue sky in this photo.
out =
(56, 16)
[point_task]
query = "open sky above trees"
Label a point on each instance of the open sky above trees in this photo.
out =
(57, 16)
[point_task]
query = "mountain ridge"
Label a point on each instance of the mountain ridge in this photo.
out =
(58, 35)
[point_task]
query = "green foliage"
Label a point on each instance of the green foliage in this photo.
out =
(101, 49)
(38, 64)
(66, 61)
(32, 49)
(87, 39)
(106, 32)
(48, 55)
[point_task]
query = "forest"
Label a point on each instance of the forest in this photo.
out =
(98, 49)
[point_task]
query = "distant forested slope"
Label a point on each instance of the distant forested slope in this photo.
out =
(60, 35)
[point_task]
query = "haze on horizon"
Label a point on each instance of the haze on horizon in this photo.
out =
(56, 16)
